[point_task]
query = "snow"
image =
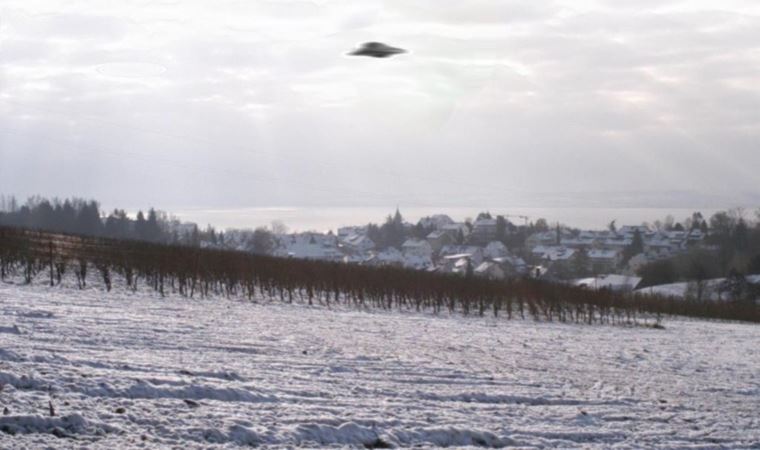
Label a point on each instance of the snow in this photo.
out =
(133, 370)
(714, 289)
(610, 281)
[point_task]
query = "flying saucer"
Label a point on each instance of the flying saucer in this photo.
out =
(376, 50)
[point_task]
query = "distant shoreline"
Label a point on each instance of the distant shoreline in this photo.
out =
(322, 219)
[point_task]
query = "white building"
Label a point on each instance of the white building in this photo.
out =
(605, 260)
(472, 252)
(357, 243)
(388, 257)
(495, 249)
(417, 247)
(308, 246)
(483, 230)
(436, 222)
(553, 253)
(623, 283)
(490, 270)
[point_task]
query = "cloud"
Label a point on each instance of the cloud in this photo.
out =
(255, 102)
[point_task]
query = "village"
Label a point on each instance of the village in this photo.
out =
(495, 248)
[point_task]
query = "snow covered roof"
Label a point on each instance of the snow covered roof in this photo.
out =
(460, 249)
(462, 263)
(487, 267)
(604, 254)
(308, 246)
(436, 221)
(554, 253)
(458, 256)
(631, 229)
(358, 240)
(388, 256)
(612, 281)
(415, 243)
(456, 227)
(512, 260)
(417, 262)
(349, 230)
(437, 234)
(496, 245)
(484, 223)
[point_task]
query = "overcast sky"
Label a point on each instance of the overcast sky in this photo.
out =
(254, 103)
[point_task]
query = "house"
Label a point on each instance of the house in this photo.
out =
(558, 260)
(439, 238)
(490, 270)
(659, 246)
(472, 252)
(354, 258)
(436, 222)
(345, 232)
(678, 240)
(605, 261)
(388, 257)
(512, 266)
(694, 236)
(416, 261)
(543, 238)
(457, 228)
(637, 262)
(550, 237)
(483, 231)
(495, 249)
(456, 264)
(630, 230)
(620, 283)
(357, 243)
(553, 253)
(317, 246)
(538, 272)
(417, 247)
(617, 241)
(583, 239)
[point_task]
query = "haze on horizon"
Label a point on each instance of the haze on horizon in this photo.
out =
(254, 103)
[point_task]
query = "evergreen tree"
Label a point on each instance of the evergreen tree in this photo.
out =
(118, 225)
(581, 263)
(263, 241)
(541, 225)
(469, 271)
(153, 231)
(195, 237)
(501, 228)
(141, 231)
(392, 231)
(634, 248)
(740, 236)
(68, 217)
(375, 235)
(88, 220)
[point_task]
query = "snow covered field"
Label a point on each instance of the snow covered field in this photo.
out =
(129, 370)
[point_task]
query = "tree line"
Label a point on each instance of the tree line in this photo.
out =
(731, 248)
(191, 271)
(80, 216)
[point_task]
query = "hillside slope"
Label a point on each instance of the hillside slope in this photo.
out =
(127, 370)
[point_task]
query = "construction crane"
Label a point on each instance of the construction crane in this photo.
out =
(525, 218)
